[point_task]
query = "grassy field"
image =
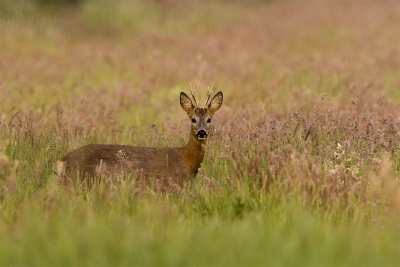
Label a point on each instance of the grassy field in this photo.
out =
(303, 165)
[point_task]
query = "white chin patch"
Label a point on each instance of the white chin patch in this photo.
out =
(202, 138)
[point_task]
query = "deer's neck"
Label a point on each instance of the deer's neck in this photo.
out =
(193, 153)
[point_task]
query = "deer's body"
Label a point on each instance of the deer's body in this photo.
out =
(178, 165)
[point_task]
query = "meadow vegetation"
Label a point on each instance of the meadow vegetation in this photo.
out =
(303, 164)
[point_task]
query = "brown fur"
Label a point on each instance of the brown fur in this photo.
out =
(178, 165)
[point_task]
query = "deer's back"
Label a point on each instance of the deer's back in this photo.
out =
(154, 162)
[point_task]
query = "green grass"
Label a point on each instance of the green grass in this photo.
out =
(54, 229)
(303, 164)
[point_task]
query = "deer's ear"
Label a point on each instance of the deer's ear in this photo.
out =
(216, 102)
(186, 102)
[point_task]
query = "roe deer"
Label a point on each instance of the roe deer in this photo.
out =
(178, 165)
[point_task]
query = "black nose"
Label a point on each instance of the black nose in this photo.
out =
(201, 134)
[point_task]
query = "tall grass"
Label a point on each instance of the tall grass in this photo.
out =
(303, 164)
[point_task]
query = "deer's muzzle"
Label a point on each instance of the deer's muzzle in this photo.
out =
(201, 135)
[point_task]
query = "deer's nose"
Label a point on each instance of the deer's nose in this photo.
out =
(201, 134)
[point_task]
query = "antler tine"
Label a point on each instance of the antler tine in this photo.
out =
(210, 88)
(192, 92)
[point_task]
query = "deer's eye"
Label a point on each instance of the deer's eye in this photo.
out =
(208, 120)
(194, 120)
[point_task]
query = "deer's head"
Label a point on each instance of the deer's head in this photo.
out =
(200, 115)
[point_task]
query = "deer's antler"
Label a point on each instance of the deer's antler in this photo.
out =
(210, 88)
(194, 97)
